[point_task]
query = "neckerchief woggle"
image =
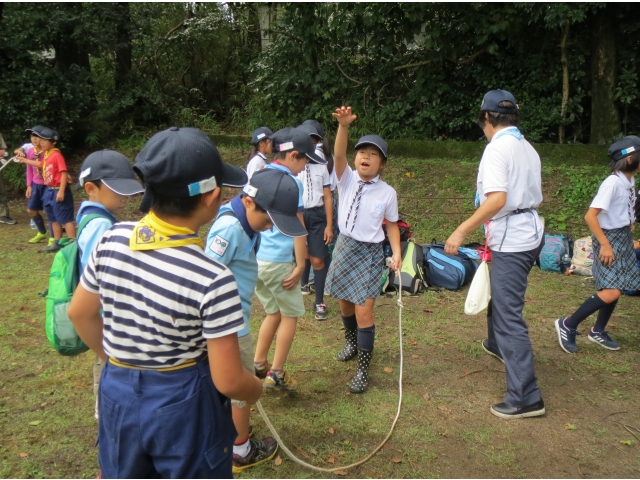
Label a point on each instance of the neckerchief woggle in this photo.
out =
(151, 233)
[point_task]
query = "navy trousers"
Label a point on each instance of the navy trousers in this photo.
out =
(163, 424)
(508, 332)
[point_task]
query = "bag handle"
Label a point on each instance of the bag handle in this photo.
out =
(485, 253)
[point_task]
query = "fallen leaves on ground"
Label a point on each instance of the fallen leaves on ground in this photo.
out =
(331, 460)
(444, 409)
(626, 442)
(388, 369)
(35, 423)
(396, 460)
(342, 473)
(332, 430)
(23, 454)
(426, 396)
(414, 356)
(278, 461)
(570, 426)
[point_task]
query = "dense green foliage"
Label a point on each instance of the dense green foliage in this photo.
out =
(98, 71)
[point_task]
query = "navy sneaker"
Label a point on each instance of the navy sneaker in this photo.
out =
(603, 339)
(503, 410)
(495, 353)
(566, 336)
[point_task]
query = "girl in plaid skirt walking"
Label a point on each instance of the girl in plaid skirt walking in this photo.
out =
(610, 218)
(356, 269)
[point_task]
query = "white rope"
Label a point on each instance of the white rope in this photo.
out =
(393, 425)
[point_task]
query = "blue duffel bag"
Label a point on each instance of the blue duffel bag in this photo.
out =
(447, 271)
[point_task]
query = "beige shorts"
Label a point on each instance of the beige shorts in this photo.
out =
(247, 349)
(273, 297)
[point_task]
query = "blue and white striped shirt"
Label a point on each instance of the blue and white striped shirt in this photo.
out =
(160, 306)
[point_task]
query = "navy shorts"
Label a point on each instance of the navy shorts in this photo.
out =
(58, 212)
(163, 424)
(315, 221)
(36, 201)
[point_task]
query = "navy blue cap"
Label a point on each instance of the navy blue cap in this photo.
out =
(624, 147)
(319, 131)
(494, 97)
(111, 168)
(376, 141)
(183, 162)
(289, 139)
(277, 192)
(49, 134)
(260, 134)
(35, 130)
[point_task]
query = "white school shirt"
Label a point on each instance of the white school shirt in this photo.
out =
(256, 163)
(616, 197)
(314, 178)
(333, 184)
(378, 201)
(510, 164)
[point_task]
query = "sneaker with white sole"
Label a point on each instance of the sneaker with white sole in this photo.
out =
(566, 336)
(603, 339)
(495, 353)
(8, 220)
(305, 289)
(260, 451)
(321, 311)
(39, 237)
(279, 380)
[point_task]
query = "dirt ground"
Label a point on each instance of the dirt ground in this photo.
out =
(445, 429)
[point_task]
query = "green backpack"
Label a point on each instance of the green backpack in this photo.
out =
(63, 280)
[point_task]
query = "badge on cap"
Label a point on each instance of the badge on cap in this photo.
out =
(627, 151)
(250, 190)
(286, 146)
(262, 135)
(84, 174)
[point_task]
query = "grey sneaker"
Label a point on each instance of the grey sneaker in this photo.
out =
(603, 339)
(321, 311)
(53, 248)
(306, 290)
(8, 220)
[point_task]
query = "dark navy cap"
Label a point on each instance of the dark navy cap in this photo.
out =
(316, 125)
(183, 162)
(35, 130)
(289, 139)
(49, 134)
(277, 192)
(260, 134)
(494, 97)
(624, 147)
(374, 140)
(111, 168)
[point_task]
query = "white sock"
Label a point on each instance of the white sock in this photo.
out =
(243, 449)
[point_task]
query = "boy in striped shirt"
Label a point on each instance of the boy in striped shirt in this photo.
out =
(171, 316)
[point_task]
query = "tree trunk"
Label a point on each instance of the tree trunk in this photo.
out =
(123, 44)
(605, 119)
(266, 13)
(565, 82)
(68, 50)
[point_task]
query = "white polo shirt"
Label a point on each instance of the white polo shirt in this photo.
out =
(314, 178)
(510, 164)
(616, 197)
(256, 163)
(378, 201)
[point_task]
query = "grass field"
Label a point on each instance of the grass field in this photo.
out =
(47, 427)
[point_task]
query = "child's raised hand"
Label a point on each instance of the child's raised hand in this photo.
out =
(344, 115)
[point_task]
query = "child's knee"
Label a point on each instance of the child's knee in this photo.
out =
(32, 213)
(609, 295)
(317, 263)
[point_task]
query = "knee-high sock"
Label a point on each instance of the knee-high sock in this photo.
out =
(590, 305)
(350, 322)
(366, 336)
(319, 278)
(38, 220)
(604, 315)
(305, 274)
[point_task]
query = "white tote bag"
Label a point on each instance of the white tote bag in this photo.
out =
(479, 291)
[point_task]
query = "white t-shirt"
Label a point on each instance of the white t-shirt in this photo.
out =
(314, 178)
(510, 164)
(377, 202)
(256, 163)
(616, 197)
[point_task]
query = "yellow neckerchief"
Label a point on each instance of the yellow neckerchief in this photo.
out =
(47, 154)
(151, 233)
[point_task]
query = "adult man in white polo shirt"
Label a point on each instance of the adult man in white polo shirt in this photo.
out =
(509, 189)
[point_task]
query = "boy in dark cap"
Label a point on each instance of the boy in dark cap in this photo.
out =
(270, 199)
(109, 181)
(171, 316)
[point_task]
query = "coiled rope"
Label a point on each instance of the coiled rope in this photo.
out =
(302, 463)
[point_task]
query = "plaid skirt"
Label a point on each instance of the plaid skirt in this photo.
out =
(355, 271)
(334, 201)
(623, 274)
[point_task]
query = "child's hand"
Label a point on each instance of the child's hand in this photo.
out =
(18, 152)
(28, 193)
(293, 279)
(328, 235)
(60, 196)
(606, 255)
(396, 261)
(344, 116)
